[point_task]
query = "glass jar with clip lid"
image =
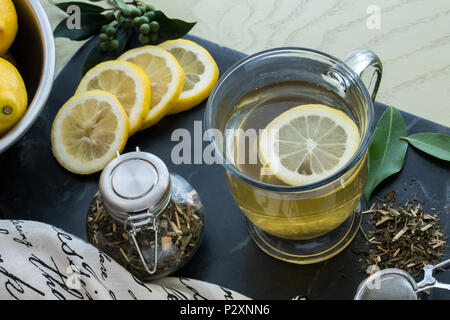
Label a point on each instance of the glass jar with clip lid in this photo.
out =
(148, 220)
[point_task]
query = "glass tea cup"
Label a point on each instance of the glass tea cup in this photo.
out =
(313, 222)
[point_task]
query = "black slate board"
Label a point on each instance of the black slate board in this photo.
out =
(34, 187)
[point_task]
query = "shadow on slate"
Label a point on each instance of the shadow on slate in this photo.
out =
(34, 187)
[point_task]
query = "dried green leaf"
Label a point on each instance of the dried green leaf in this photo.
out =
(387, 151)
(435, 144)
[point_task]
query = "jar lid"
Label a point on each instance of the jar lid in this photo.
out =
(134, 182)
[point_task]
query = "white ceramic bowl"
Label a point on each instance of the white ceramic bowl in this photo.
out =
(34, 52)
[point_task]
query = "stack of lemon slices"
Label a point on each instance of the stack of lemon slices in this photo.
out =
(117, 98)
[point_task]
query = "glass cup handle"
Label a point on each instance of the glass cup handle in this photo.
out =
(368, 67)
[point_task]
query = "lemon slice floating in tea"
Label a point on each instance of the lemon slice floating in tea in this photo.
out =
(308, 143)
(200, 72)
(88, 131)
(127, 82)
(166, 77)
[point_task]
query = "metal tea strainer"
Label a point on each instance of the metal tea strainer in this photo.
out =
(396, 284)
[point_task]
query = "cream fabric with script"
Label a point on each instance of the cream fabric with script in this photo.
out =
(39, 261)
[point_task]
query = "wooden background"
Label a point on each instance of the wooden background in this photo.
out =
(413, 38)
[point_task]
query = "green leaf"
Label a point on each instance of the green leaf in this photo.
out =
(171, 29)
(121, 4)
(387, 151)
(96, 55)
(84, 7)
(435, 144)
(91, 23)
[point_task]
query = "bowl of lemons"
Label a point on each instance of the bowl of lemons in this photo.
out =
(27, 64)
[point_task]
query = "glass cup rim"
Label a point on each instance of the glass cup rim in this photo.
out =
(362, 147)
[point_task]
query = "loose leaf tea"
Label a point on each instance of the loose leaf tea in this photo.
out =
(403, 236)
(180, 228)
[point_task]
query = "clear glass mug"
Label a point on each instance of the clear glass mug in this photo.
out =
(308, 223)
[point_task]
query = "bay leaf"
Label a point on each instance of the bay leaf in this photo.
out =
(435, 144)
(387, 151)
(91, 24)
(121, 4)
(84, 7)
(172, 28)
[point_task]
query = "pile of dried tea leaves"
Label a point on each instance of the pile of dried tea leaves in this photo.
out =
(403, 236)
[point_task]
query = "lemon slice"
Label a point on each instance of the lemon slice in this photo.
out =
(308, 143)
(166, 77)
(127, 82)
(200, 72)
(88, 131)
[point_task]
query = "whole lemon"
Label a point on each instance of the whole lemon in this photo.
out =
(13, 96)
(8, 25)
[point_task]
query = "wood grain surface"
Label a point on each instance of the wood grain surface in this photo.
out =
(412, 38)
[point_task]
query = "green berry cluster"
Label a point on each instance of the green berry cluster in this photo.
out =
(139, 16)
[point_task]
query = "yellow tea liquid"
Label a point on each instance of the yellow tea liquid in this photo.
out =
(302, 215)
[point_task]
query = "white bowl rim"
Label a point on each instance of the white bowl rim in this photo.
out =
(45, 83)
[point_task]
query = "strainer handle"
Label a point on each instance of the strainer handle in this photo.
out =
(429, 281)
(442, 286)
(437, 285)
(443, 264)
